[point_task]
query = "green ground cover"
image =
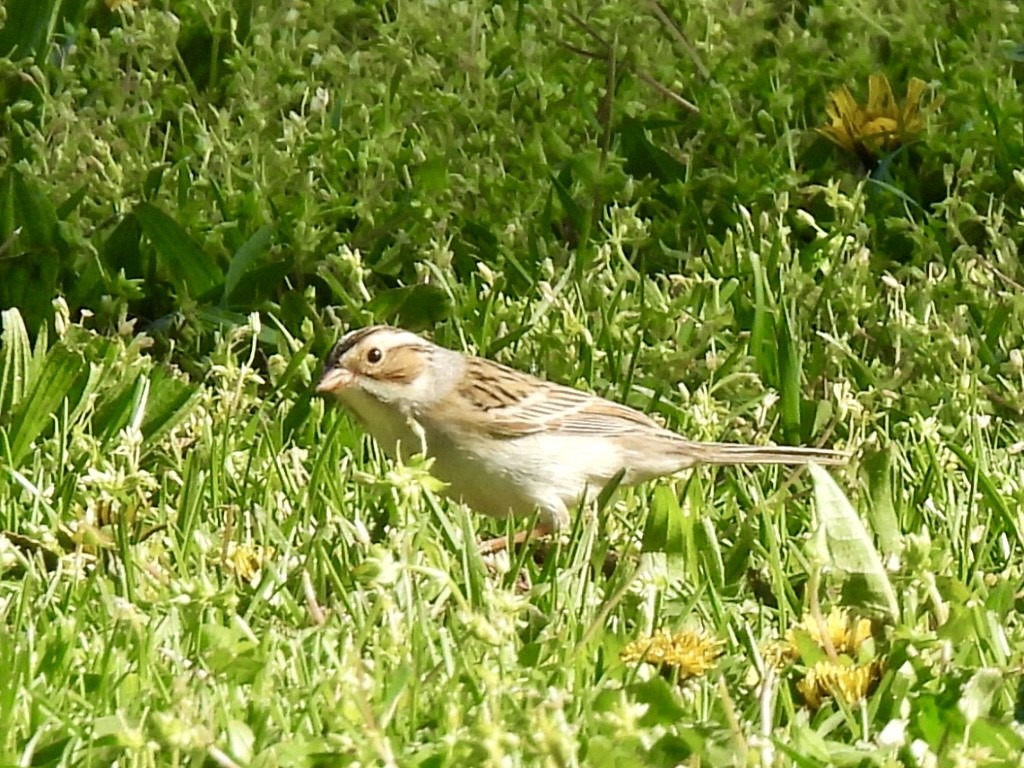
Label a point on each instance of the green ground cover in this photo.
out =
(202, 563)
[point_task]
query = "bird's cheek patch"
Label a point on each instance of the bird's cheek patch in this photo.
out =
(402, 365)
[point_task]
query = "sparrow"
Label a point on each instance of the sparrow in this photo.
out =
(506, 442)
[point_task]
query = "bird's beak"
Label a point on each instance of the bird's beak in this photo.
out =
(335, 380)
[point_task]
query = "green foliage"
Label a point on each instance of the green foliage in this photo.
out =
(844, 543)
(200, 559)
(76, 384)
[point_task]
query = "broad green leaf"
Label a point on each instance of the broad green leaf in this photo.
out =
(663, 707)
(72, 202)
(110, 369)
(413, 306)
(187, 265)
(644, 158)
(224, 318)
(245, 259)
(35, 212)
(15, 359)
(576, 214)
(709, 551)
(170, 400)
(7, 219)
(807, 647)
(977, 696)
(114, 411)
(121, 248)
(665, 530)
(881, 511)
(59, 374)
(850, 546)
(671, 749)
(27, 25)
(606, 494)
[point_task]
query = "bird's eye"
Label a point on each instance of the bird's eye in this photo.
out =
(374, 355)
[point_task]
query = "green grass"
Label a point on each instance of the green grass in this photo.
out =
(214, 193)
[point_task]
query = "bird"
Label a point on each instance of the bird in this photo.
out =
(507, 443)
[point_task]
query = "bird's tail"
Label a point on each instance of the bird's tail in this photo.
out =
(736, 453)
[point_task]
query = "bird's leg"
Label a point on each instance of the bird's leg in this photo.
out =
(554, 517)
(501, 543)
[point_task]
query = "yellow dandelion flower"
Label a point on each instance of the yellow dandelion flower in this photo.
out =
(845, 634)
(245, 560)
(692, 653)
(882, 124)
(851, 682)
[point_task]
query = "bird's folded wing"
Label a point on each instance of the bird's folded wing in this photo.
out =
(561, 410)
